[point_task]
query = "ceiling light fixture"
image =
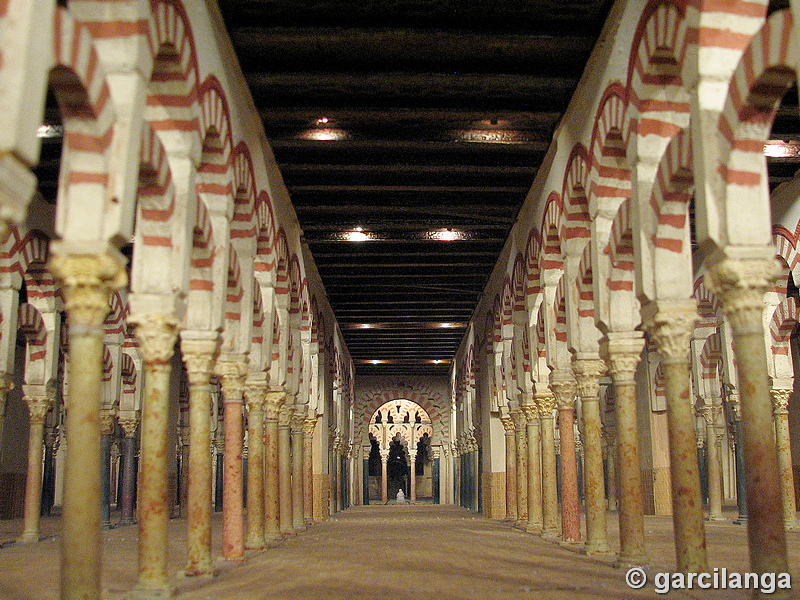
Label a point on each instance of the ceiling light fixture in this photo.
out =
(782, 149)
(357, 234)
(446, 235)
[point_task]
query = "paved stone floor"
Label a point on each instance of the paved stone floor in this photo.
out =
(396, 552)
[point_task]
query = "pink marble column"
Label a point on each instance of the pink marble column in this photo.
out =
(87, 281)
(622, 354)
(285, 469)
(231, 373)
(38, 405)
(199, 356)
(511, 468)
(308, 471)
(740, 284)
(563, 386)
(156, 335)
(255, 394)
(272, 532)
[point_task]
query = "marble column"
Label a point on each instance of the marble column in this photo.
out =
(6, 384)
(285, 470)
(38, 405)
(563, 387)
(106, 433)
(384, 452)
(741, 488)
(740, 285)
(273, 401)
(521, 442)
(710, 414)
(156, 335)
(780, 404)
(534, 479)
(610, 436)
(298, 474)
(412, 475)
(255, 396)
(587, 375)
(546, 403)
(231, 373)
(198, 357)
(129, 427)
(86, 283)
(670, 326)
(511, 468)
(308, 470)
(622, 355)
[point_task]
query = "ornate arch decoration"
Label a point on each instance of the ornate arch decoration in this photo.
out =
(402, 417)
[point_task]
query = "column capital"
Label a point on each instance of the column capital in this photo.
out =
(308, 427)
(156, 335)
(740, 283)
(545, 403)
(273, 400)
(508, 423)
(670, 325)
(563, 387)
(87, 281)
(384, 454)
(38, 405)
(298, 418)
(735, 403)
(128, 426)
(107, 416)
(780, 400)
(285, 414)
(622, 354)
(519, 419)
(588, 372)
(255, 395)
(231, 371)
(199, 356)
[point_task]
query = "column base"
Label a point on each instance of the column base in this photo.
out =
(631, 560)
(272, 539)
(550, 534)
(197, 573)
(166, 592)
(597, 549)
(254, 544)
(28, 537)
(571, 544)
(534, 528)
(716, 518)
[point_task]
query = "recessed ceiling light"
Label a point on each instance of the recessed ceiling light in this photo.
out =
(322, 120)
(446, 235)
(781, 149)
(357, 234)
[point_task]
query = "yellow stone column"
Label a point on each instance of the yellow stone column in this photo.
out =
(670, 326)
(710, 414)
(740, 285)
(308, 471)
(780, 404)
(384, 452)
(156, 335)
(545, 404)
(285, 469)
(38, 405)
(610, 437)
(255, 395)
(298, 473)
(511, 468)
(587, 375)
(534, 479)
(521, 442)
(273, 401)
(198, 357)
(231, 372)
(86, 283)
(622, 355)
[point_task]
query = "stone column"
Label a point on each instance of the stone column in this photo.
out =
(670, 326)
(384, 475)
(710, 414)
(156, 335)
(511, 468)
(199, 356)
(308, 471)
(255, 395)
(534, 479)
(6, 384)
(272, 531)
(741, 488)
(106, 433)
(412, 475)
(38, 405)
(128, 469)
(546, 403)
(521, 442)
(563, 387)
(622, 355)
(231, 373)
(86, 284)
(298, 474)
(587, 374)
(285, 470)
(740, 284)
(611, 465)
(780, 404)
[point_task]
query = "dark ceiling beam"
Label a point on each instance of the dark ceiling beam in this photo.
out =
(361, 264)
(323, 257)
(411, 189)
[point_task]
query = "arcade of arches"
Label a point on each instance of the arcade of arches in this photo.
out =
(634, 350)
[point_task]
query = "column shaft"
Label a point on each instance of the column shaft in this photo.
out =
(780, 402)
(534, 472)
(549, 488)
(570, 513)
(308, 471)
(255, 465)
(521, 441)
(232, 483)
(412, 475)
(285, 474)
(714, 472)
(596, 529)
(511, 470)
(271, 484)
(37, 409)
(128, 470)
(384, 476)
(298, 474)
(198, 520)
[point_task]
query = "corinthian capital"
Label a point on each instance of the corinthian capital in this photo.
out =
(545, 403)
(308, 427)
(37, 408)
(740, 284)
(231, 372)
(563, 387)
(622, 353)
(156, 335)
(588, 372)
(780, 400)
(128, 427)
(107, 417)
(273, 401)
(285, 415)
(87, 281)
(508, 423)
(670, 325)
(199, 356)
(255, 395)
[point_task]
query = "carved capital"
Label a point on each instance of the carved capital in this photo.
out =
(563, 388)
(508, 423)
(231, 373)
(384, 454)
(298, 419)
(736, 405)
(622, 356)
(285, 415)
(107, 417)
(87, 281)
(156, 335)
(37, 408)
(518, 416)
(780, 400)
(670, 326)
(308, 427)
(531, 412)
(273, 400)
(588, 372)
(740, 284)
(198, 357)
(255, 395)
(128, 427)
(545, 403)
